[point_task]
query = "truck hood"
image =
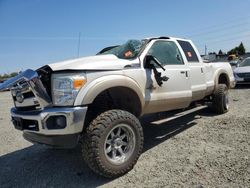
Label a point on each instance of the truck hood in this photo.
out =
(242, 69)
(98, 62)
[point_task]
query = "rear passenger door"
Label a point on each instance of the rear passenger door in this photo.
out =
(197, 74)
(174, 93)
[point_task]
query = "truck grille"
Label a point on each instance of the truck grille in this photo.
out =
(28, 89)
(24, 98)
(244, 75)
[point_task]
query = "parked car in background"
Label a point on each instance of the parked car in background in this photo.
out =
(232, 57)
(234, 63)
(242, 72)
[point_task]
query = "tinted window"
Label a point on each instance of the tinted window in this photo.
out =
(189, 51)
(166, 52)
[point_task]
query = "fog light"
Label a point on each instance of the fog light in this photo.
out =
(56, 122)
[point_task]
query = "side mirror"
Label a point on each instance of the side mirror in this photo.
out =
(148, 64)
(149, 58)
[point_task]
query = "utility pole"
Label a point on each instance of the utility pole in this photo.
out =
(79, 44)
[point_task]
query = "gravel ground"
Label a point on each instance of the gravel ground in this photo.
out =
(193, 149)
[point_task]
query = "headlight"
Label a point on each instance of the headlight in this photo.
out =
(65, 88)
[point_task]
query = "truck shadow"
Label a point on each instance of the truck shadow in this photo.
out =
(242, 86)
(38, 166)
(161, 127)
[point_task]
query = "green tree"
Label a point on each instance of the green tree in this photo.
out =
(6, 76)
(241, 49)
(13, 74)
(220, 52)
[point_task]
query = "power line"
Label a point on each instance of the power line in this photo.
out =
(79, 43)
(238, 20)
(218, 29)
(227, 39)
(223, 35)
(36, 38)
(223, 43)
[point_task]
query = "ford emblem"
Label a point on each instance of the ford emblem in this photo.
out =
(19, 97)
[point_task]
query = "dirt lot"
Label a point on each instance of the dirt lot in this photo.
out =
(195, 149)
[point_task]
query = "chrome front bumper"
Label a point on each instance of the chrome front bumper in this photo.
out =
(242, 80)
(35, 115)
(26, 121)
(28, 80)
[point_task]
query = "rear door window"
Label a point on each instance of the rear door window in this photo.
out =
(189, 51)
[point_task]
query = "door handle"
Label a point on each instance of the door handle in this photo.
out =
(202, 70)
(184, 72)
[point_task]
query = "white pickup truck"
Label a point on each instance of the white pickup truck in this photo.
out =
(96, 101)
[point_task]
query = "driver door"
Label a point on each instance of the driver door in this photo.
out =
(175, 93)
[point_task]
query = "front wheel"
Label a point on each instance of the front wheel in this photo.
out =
(220, 102)
(113, 143)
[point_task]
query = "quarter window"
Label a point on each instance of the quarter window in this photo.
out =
(166, 52)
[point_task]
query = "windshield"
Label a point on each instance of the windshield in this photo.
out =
(129, 50)
(245, 63)
(233, 62)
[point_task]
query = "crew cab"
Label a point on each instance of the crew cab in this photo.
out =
(96, 101)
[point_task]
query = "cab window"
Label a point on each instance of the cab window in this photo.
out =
(166, 52)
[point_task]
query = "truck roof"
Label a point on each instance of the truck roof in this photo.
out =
(166, 37)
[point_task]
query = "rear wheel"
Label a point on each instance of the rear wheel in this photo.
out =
(220, 101)
(113, 143)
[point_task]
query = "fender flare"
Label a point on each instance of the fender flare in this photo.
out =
(88, 94)
(217, 75)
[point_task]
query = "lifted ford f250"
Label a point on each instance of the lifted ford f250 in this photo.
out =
(97, 100)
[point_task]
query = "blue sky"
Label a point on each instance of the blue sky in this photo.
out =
(38, 32)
